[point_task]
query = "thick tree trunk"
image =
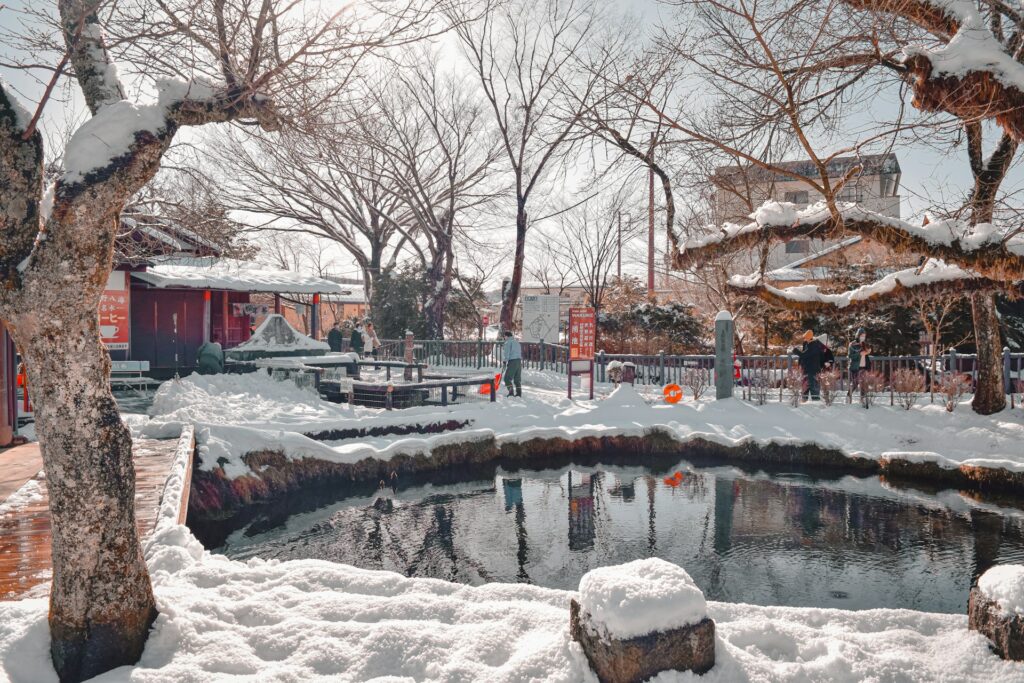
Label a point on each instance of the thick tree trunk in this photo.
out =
(439, 276)
(508, 303)
(989, 393)
(101, 602)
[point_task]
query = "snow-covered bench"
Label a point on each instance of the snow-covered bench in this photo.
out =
(130, 373)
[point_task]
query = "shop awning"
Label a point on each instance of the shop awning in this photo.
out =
(239, 276)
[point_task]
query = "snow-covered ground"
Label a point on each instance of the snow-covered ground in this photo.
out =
(239, 412)
(312, 620)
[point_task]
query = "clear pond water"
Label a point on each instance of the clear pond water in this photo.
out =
(768, 539)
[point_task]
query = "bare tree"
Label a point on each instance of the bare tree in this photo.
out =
(784, 71)
(439, 160)
(588, 243)
(56, 261)
(522, 52)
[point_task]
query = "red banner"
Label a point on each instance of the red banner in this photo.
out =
(114, 311)
(582, 332)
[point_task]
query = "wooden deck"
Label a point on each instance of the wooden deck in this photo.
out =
(25, 527)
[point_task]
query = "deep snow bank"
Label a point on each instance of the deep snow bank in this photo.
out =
(222, 620)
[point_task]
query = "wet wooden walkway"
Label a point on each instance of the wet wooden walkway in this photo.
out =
(25, 519)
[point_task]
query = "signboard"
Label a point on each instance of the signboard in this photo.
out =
(487, 320)
(243, 309)
(582, 332)
(115, 312)
(541, 317)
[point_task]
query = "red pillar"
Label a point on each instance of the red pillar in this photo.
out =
(207, 316)
(314, 322)
(8, 395)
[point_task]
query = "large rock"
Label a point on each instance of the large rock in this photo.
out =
(638, 619)
(996, 610)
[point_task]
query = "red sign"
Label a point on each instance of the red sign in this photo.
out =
(673, 393)
(114, 311)
(582, 332)
(487, 320)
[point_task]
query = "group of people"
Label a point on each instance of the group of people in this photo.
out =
(814, 356)
(363, 339)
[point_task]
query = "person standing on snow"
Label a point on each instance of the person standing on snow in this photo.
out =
(210, 357)
(858, 354)
(513, 354)
(811, 356)
(335, 338)
(372, 342)
(356, 342)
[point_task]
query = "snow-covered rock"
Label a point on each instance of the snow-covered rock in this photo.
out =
(641, 597)
(1004, 585)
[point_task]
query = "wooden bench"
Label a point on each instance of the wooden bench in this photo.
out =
(129, 373)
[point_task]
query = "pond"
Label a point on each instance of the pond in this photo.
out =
(781, 538)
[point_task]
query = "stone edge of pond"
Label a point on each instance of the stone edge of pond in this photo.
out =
(217, 498)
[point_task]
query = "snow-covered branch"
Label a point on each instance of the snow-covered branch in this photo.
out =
(991, 251)
(934, 280)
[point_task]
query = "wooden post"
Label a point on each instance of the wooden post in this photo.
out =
(277, 304)
(724, 327)
(409, 357)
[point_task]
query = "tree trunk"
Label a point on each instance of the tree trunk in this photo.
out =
(989, 396)
(101, 602)
(508, 304)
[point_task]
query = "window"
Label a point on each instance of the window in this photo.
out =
(798, 246)
(796, 197)
(851, 194)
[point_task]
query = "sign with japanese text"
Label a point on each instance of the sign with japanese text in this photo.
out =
(243, 309)
(115, 312)
(582, 332)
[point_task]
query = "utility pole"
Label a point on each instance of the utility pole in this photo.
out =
(618, 267)
(650, 226)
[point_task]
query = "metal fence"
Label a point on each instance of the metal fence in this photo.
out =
(662, 368)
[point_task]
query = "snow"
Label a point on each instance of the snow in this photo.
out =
(109, 135)
(30, 492)
(275, 334)
(313, 620)
(236, 276)
(1004, 584)
(641, 597)
(21, 114)
(948, 232)
(933, 272)
(723, 315)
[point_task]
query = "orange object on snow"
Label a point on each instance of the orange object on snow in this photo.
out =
(485, 389)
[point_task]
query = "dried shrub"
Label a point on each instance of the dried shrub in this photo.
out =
(697, 380)
(953, 387)
(795, 384)
(760, 382)
(828, 384)
(908, 384)
(872, 383)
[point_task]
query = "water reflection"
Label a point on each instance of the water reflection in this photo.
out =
(782, 539)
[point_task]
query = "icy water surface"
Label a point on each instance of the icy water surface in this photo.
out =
(779, 539)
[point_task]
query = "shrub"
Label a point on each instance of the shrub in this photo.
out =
(872, 383)
(828, 383)
(697, 380)
(953, 387)
(908, 384)
(759, 381)
(795, 384)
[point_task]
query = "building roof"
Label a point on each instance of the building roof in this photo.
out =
(236, 276)
(874, 164)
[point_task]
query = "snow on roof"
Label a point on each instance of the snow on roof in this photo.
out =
(275, 334)
(236, 276)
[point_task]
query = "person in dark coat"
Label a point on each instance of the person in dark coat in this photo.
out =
(812, 357)
(335, 338)
(356, 341)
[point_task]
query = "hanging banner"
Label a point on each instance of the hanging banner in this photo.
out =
(541, 318)
(115, 312)
(582, 332)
